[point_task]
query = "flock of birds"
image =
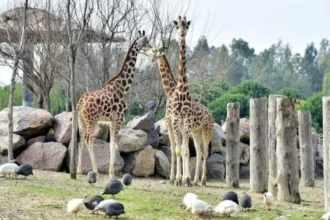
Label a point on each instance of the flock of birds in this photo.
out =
(228, 205)
(97, 203)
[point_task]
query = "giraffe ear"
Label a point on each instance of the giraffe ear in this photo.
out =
(175, 23)
(179, 17)
(143, 33)
(188, 23)
(139, 32)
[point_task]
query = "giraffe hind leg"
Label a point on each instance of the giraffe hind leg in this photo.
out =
(81, 144)
(90, 146)
(207, 136)
(197, 137)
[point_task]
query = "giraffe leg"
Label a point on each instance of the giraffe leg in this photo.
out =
(185, 154)
(114, 130)
(173, 156)
(82, 127)
(92, 156)
(177, 133)
(207, 136)
(197, 142)
(90, 142)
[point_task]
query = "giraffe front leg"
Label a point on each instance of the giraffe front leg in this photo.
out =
(92, 156)
(80, 149)
(207, 134)
(197, 143)
(185, 155)
(173, 154)
(114, 130)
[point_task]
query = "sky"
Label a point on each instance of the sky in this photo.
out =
(261, 23)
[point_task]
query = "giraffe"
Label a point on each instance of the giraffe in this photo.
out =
(108, 104)
(188, 119)
(203, 119)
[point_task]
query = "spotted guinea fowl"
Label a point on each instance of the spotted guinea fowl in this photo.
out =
(246, 201)
(93, 202)
(8, 169)
(226, 208)
(127, 179)
(25, 170)
(113, 187)
(91, 177)
(268, 199)
(76, 205)
(114, 209)
(103, 204)
(232, 196)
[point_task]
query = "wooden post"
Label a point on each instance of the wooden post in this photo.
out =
(306, 148)
(272, 168)
(258, 145)
(232, 152)
(326, 132)
(286, 152)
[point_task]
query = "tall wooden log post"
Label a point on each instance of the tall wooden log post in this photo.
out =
(306, 148)
(272, 168)
(232, 152)
(258, 145)
(286, 152)
(326, 133)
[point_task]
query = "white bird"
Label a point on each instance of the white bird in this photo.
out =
(189, 199)
(226, 207)
(200, 207)
(326, 216)
(103, 204)
(9, 168)
(268, 199)
(76, 205)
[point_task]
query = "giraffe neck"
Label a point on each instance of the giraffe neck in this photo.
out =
(168, 80)
(124, 79)
(182, 78)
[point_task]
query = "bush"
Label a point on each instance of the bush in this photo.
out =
(219, 106)
(251, 89)
(314, 104)
(291, 93)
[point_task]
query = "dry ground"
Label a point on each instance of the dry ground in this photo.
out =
(46, 196)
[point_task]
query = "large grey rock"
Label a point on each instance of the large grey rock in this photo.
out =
(102, 155)
(27, 122)
(164, 139)
(3, 159)
(244, 172)
(145, 123)
(163, 166)
(192, 166)
(145, 163)
(153, 138)
(160, 126)
(63, 127)
(167, 151)
(130, 140)
(244, 152)
(102, 131)
(216, 141)
(41, 139)
(215, 167)
(44, 156)
(18, 142)
(244, 130)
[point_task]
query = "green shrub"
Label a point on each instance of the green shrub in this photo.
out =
(314, 104)
(291, 93)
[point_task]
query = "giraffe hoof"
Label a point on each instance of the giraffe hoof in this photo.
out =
(195, 183)
(178, 182)
(172, 182)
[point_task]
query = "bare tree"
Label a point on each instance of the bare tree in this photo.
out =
(18, 53)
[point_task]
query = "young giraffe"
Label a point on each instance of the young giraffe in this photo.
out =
(204, 118)
(108, 104)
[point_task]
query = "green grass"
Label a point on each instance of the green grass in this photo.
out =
(46, 196)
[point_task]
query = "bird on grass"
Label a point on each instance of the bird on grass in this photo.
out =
(25, 170)
(91, 177)
(114, 209)
(226, 208)
(268, 199)
(232, 196)
(127, 179)
(246, 201)
(93, 202)
(113, 187)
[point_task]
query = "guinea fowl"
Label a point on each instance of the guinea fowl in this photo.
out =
(25, 170)
(127, 179)
(232, 196)
(91, 177)
(113, 187)
(114, 209)
(93, 202)
(246, 201)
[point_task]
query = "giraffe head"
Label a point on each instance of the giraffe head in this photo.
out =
(142, 42)
(182, 25)
(156, 52)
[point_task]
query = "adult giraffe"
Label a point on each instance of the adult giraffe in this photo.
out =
(108, 104)
(203, 120)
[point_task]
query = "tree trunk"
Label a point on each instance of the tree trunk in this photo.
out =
(306, 148)
(67, 98)
(232, 152)
(326, 170)
(73, 153)
(47, 103)
(272, 168)
(10, 112)
(258, 145)
(286, 152)
(40, 100)
(27, 68)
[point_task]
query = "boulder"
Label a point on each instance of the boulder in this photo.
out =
(162, 165)
(41, 139)
(164, 139)
(27, 122)
(192, 166)
(102, 131)
(244, 152)
(215, 167)
(63, 127)
(167, 151)
(144, 162)
(130, 140)
(160, 126)
(102, 155)
(153, 138)
(18, 142)
(244, 172)
(145, 123)
(244, 130)
(44, 156)
(218, 135)
(3, 159)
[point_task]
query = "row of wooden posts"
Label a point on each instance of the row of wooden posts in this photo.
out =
(273, 147)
